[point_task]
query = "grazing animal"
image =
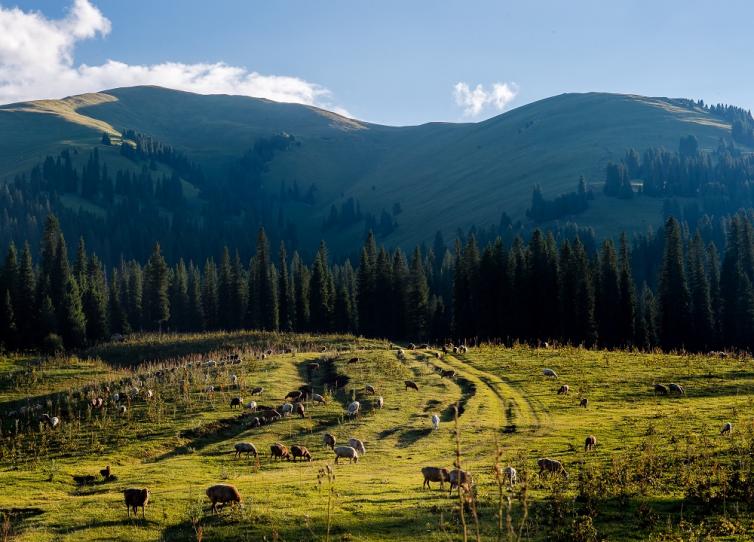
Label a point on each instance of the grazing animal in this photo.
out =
(122, 410)
(353, 408)
(294, 395)
(411, 384)
(455, 349)
(234, 379)
(223, 494)
(209, 389)
(300, 410)
(380, 402)
(676, 388)
(411, 346)
(550, 373)
(435, 421)
(401, 354)
(105, 472)
(449, 373)
(279, 451)
(435, 474)
(463, 349)
(727, 429)
(564, 389)
(462, 478)
(584, 402)
(346, 452)
(424, 346)
(353, 360)
(552, 466)
(357, 445)
(286, 409)
(660, 389)
(251, 405)
(148, 394)
(300, 452)
(317, 398)
(590, 443)
(116, 397)
(83, 479)
(329, 440)
(369, 389)
(511, 474)
(136, 498)
(255, 422)
(257, 391)
(245, 448)
(236, 402)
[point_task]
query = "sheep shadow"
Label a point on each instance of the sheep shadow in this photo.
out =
(409, 437)
(124, 522)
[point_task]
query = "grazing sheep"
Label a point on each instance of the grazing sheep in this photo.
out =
(438, 355)
(272, 415)
(411, 346)
(550, 373)
(357, 445)
(300, 410)
(411, 384)
(380, 402)
(329, 440)
(245, 448)
(107, 475)
(435, 474)
(317, 398)
(279, 451)
(564, 389)
(346, 452)
(257, 391)
(255, 422)
(223, 494)
(676, 388)
(116, 397)
(294, 395)
(449, 373)
(209, 389)
(455, 349)
(458, 477)
(584, 402)
(511, 474)
(353, 408)
(369, 389)
(552, 466)
(590, 443)
(401, 354)
(300, 452)
(251, 405)
(236, 402)
(148, 394)
(122, 410)
(54, 422)
(727, 429)
(424, 346)
(660, 389)
(134, 499)
(435, 421)
(463, 349)
(234, 379)
(286, 409)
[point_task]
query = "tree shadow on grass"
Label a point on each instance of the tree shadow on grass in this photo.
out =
(409, 437)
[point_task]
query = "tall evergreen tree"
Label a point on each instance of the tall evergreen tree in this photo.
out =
(285, 292)
(366, 300)
(608, 297)
(674, 297)
(626, 313)
(701, 336)
(94, 301)
(321, 295)
(156, 282)
(210, 300)
(418, 298)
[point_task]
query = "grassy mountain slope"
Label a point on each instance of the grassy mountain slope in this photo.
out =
(443, 175)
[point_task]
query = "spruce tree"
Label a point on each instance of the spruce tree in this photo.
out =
(156, 282)
(321, 296)
(285, 292)
(301, 285)
(179, 298)
(366, 274)
(608, 297)
(674, 297)
(94, 302)
(701, 310)
(71, 319)
(418, 298)
(626, 313)
(397, 300)
(225, 294)
(195, 308)
(209, 295)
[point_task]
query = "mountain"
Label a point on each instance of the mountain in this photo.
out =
(436, 176)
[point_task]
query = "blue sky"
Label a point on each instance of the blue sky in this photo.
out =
(399, 62)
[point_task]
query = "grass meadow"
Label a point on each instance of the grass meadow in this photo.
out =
(660, 470)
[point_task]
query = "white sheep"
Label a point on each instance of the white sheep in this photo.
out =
(436, 421)
(357, 445)
(727, 429)
(550, 373)
(234, 379)
(54, 422)
(380, 402)
(148, 394)
(286, 409)
(122, 409)
(116, 397)
(251, 405)
(346, 452)
(353, 408)
(209, 389)
(511, 475)
(317, 398)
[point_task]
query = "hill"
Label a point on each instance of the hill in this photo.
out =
(411, 181)
(660, 469)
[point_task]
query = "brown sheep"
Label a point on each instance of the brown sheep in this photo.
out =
(294, 395)
(369, 389)
(329, 440)
(300, 452)
(223, 494)
(584, 402)
(411, 384)
(134, 499)
(564, 389)
(462, 478)
(300, 410)
(279, 451)
(590, 443)
(552, 466)
(435, 474)
(449, 373)
(257, 391)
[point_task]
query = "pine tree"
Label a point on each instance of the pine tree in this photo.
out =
(25, 301)
(713, 264)
(285, 292)
(7, 320)
(134, 296)
(72, 322)
(366, 280)
(626, 314)
(701, 337)
(179, 298)
(156, 281)
(674, 298)
(196, 317)
(321, 296)
(115, 308)
(647, 334)
(418, 298)
(608, 297)
(301, 285)
(239, 293)
(397, 300)
(225, 293)
(94, 302)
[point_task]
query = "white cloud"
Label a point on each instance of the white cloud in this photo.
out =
(475, 101)
(37, 61)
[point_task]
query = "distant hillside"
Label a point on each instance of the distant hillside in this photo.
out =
(412, 180)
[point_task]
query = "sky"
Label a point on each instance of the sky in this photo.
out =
(391, 62)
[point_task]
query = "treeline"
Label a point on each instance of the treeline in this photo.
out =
(540, 290)
(571, 203)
